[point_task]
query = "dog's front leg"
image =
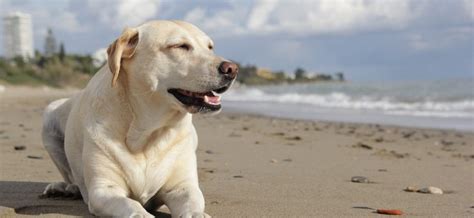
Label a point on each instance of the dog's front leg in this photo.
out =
(111, 201)
(184, 200)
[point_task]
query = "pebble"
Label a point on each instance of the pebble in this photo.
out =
(359, 179)
(238, 176)
(34, 157)
(273, 161)
(19, 147)
(431, 190)
(362, 145)
(296, 138)
(410, 189)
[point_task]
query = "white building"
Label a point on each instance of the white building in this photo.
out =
(17, 35)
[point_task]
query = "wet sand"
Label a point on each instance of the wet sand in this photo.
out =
(254, 166)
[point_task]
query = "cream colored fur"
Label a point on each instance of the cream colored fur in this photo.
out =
(124, 141)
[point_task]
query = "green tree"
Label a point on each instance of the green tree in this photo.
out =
(300, 73)
(62, 52)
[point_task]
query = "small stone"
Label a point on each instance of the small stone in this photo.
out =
(410, 189)
(34, 157)
(362, 145)
(273, 161)
(379, 139)
(238, 176)
(359, 179)
(295, 138)
(209, 152)
(431, 190)
(19, 147)
(214, 202)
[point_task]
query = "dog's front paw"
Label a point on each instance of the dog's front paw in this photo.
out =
(55, 189)
(194, 215)
(61, 189)
(140, 215)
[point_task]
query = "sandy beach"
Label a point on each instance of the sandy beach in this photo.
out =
(254, 166)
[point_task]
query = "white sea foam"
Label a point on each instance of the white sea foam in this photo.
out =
(428, 108)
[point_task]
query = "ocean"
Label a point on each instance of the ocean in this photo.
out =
(441, 104)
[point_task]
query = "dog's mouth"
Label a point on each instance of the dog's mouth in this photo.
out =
(199, 101)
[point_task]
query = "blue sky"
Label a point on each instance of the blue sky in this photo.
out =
(366, 39)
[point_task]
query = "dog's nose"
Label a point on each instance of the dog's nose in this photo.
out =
(229, 69)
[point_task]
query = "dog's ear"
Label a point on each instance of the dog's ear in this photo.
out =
(122, 48)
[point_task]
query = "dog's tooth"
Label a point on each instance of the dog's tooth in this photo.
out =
(216, 94)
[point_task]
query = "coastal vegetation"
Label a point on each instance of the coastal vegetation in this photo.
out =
(55, 67)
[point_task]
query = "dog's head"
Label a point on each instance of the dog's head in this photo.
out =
(174, 61)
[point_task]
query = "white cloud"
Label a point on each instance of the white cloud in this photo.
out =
(260, 13)
(309, 16)
(121, 13)
(469, 7)
(224, 22)
(439, 39)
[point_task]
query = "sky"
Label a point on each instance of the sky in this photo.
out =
(365, 39)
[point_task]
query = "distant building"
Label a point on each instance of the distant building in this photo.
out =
(17, 35)
(50, 47)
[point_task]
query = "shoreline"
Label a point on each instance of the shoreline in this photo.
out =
(338, 115)
(254, 166)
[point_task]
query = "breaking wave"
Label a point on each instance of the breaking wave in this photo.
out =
(428, 108)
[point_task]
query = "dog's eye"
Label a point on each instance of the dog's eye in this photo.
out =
(184, 46)
(210, 47)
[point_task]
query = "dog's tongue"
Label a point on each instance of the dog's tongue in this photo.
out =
(214, 100)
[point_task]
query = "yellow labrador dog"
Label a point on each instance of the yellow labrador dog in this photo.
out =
(126, 143)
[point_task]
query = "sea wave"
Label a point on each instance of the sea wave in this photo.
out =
(388, 105)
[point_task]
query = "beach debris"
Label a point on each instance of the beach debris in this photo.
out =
(379, 139)
(389, 212)
(408, 134)
(359, 179)
(295, 138)
(410, 189)
(362, 145)
(384, 152)
(431, 190)
(445, 142)
(274, 161)
(19, 147)
(34, 157)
